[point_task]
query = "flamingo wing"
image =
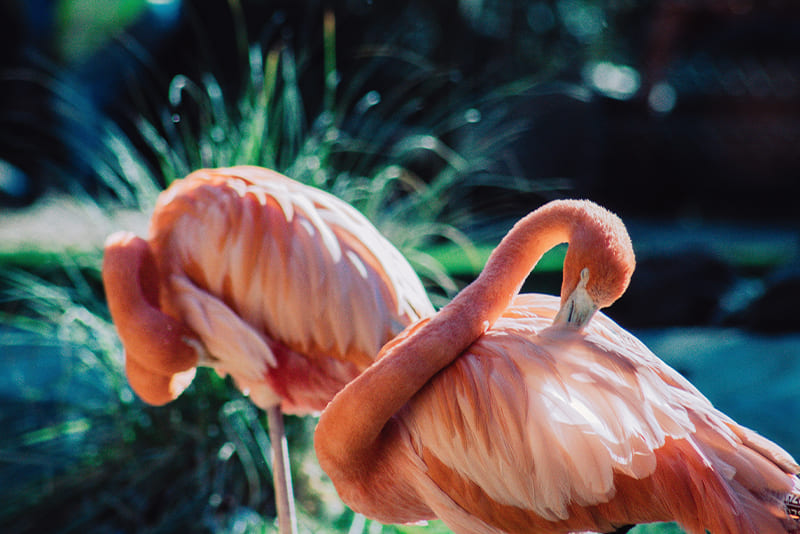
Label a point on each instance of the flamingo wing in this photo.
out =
(256, 263)
(578, 431)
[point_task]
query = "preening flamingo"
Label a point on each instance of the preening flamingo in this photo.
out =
(289, 290)
(523, 413)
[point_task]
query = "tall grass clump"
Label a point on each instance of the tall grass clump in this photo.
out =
(361, 144)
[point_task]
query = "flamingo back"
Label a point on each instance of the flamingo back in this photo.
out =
(584, 431)
(291, 290)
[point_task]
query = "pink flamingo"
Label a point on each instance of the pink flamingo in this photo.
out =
(523, 413)
(284, 287)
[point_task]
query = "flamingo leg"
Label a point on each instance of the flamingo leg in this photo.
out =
(281, 473)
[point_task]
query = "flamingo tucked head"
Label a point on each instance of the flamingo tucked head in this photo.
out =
(598, 265)
(160, 351)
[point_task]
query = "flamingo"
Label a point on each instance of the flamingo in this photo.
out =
(529, 413)
(287, 289)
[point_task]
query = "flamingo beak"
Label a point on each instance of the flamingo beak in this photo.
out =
(578, 309)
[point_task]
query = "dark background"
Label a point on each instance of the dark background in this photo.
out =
(725, 146)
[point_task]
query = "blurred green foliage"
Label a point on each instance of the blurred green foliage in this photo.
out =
(83, 26)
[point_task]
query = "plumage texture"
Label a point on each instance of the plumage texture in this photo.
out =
(288, 289)
(566, 421)
(504, 419)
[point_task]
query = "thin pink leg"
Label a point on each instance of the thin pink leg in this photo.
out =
(281, 473)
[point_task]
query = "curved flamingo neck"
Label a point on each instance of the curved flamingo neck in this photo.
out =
(517, 254)
(349, 429)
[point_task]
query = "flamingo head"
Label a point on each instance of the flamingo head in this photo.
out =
(161, 352)
(597, 268)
